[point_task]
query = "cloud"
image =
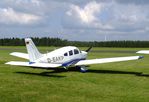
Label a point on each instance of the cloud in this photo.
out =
(136, 2)
(86, 17)
(110, 16)
(9, 16)
(80, 2)
(32, 2)
(86, 14)
(29, 6)
(74, 18)
(129, 17)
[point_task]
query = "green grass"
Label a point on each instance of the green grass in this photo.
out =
(112, 82)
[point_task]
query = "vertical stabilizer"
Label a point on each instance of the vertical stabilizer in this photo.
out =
(33, 52)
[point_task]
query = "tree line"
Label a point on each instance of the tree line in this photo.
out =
(47, 41)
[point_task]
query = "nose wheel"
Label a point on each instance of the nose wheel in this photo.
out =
(83, 69)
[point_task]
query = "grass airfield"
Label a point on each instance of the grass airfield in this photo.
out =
(112, 82)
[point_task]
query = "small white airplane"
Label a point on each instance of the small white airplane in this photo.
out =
(63, 57)
(143, 52)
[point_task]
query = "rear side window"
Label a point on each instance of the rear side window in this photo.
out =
(76, 51)
(65, 54)
(70, 53)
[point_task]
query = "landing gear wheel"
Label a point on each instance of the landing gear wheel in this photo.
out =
(83, 69)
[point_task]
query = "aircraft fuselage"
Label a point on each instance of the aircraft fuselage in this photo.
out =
(65, 55)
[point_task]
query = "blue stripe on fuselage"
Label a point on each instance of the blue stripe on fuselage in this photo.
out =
(31, 62)
(74, 61)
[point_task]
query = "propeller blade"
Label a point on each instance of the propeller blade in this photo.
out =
(89, 49)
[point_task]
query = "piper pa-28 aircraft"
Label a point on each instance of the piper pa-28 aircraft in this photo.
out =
(63, 57)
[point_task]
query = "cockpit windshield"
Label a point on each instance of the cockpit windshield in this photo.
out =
(76, 51)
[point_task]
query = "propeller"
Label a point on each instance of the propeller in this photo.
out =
(88, 49)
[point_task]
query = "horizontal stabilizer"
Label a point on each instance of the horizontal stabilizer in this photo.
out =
(21, 55)
(107, 60)
(33, 64)
(143, 52)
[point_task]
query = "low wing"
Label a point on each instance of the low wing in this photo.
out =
(107, 60)
(21, 55)
(143, 52)
(42, 65)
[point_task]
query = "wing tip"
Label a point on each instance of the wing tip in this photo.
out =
(141, 57)
(138, 52)
(8, 63)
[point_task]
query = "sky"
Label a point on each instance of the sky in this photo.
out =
(79, 20)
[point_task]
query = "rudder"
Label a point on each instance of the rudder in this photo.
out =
(33, 52)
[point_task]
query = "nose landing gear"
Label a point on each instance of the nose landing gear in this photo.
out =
(83, 69)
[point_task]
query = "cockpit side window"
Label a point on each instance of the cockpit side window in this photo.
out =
(70, 53)
(65, 54)
(76, 51)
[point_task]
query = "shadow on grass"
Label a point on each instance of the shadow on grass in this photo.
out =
(140, 74)
(74, 69)
(45, 74)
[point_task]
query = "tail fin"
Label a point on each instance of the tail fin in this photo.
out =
(33, 52)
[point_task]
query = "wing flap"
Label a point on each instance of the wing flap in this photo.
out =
(21, 55)
(42, 65)
(107, 60)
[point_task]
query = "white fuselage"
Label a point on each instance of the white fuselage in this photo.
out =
(65, 56)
